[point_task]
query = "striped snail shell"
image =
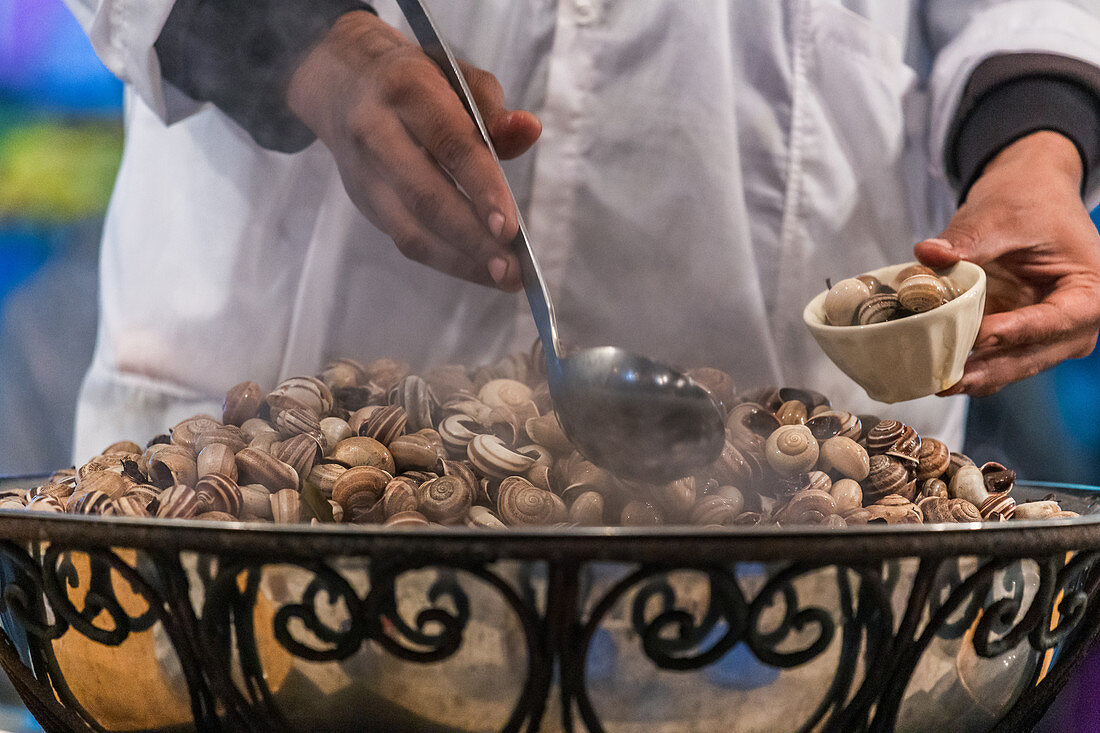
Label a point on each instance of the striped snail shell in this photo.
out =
(849, 424)
(715, 510)
(414, 394)
(792, 412)
(907, 447)
(885, 476)
(933, 487)
(921, 292)
(480, 517)
(895, 509)
(809, 506)
(178, 502)
(296, 421)
(445, 499)
(932, 459)
(963, 511)
(878, 309)
(369, 480)
(997, 507)
(385, 424)
(110, 483)
(186, 432)
(300, 452)
(400, 496)
(790, 450)
(219, 493)
(404, 520)
(883, 435)
(457, 431)
(127, 506)
(286, 506)
(256, 467)
(520, 503)
(308, 393)
(324, 476)
(228, 435)
(489, 455)
(53, 504)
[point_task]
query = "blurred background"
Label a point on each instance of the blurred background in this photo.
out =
(60, 144)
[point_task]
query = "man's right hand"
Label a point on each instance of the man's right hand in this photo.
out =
(402, 139)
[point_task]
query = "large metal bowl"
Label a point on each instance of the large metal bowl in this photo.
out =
(129, 624)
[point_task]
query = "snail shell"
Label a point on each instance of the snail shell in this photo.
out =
(362, 451)
(790, 450)
(286, 506)
(675, 498)
(265, 442)
(520, 503)
(45, 503)
(385, 372)
(844, 300)
(217, 458)
(642, 514)
(846, 457)
(308, 393)
(81, 502)
(343, 373)
(480, 517)
(849, 427)
(178, 502)
(186, 432)
(998, 479)
(414, 394)
(997, 507)
(457, 431)
(958, 460)
(1064, 514)
(809, 506)
(505, 393)
(300, 452)
(715, 510)
(489, 455)
(824, 426)
(228, 435)
(963, 511)
(446, 499)
(1036, 510)
(883, 435)
(463, 404)
(732, 467)
(886, 476)
(906, 447)
(792, 412)
(416, 452)
(968, 483)
(507, 425)
(543, 476)
(215, 517)
(112, 484)
(103, 463)
(932, 459)
(847, 495)
(934, 487)
(255, 502)
(127, 506)
(255, 426)
(369, 480)
(125, 448)
(894, 509)
(404, 520)
(878, 309)
(908, 271)
(324, 476)
(58, 491)
(717, 383)
(170, 468)
(297, 421)
(921, 292)
(400, 496)
(219, 493)
(256, 467)
(748, 426)
(333, 430)
(385, 424)
(587, 509)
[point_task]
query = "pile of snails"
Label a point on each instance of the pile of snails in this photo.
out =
(376, 444)
(863, 300)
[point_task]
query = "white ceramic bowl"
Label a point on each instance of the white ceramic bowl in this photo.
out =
(910, 357)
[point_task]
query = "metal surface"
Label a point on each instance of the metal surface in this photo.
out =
(625, 412)
(471, 630)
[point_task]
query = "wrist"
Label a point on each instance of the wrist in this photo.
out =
(1045, 155)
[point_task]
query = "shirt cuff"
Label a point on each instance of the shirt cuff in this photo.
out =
(1018, 107)
(240, 55)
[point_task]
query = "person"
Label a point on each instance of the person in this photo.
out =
(690, 175)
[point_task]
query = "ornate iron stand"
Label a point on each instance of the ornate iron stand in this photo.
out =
(878, 598)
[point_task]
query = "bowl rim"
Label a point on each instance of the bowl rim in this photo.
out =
(811, 320)
(274, 543)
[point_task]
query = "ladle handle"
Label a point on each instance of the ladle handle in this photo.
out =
(542, 309)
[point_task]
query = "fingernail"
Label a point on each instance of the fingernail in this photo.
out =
(943, 243)
(988, 342)
(498, 268)
(496, 225)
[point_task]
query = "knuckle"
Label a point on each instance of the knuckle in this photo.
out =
(424, 202)
(453, 149)
(413, 246)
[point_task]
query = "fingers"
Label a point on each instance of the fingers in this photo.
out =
(436, 120)
(513, 131)
(989, 370)
(936, 253)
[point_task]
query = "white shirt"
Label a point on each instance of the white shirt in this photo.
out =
(703, 167)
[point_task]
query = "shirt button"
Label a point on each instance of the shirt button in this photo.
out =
(584, 10)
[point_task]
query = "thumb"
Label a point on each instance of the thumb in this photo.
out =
(969, 236)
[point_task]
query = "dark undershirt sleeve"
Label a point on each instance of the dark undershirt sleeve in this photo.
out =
(1016, 108)
(240, 55)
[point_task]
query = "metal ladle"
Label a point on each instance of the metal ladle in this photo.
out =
(631, 415)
